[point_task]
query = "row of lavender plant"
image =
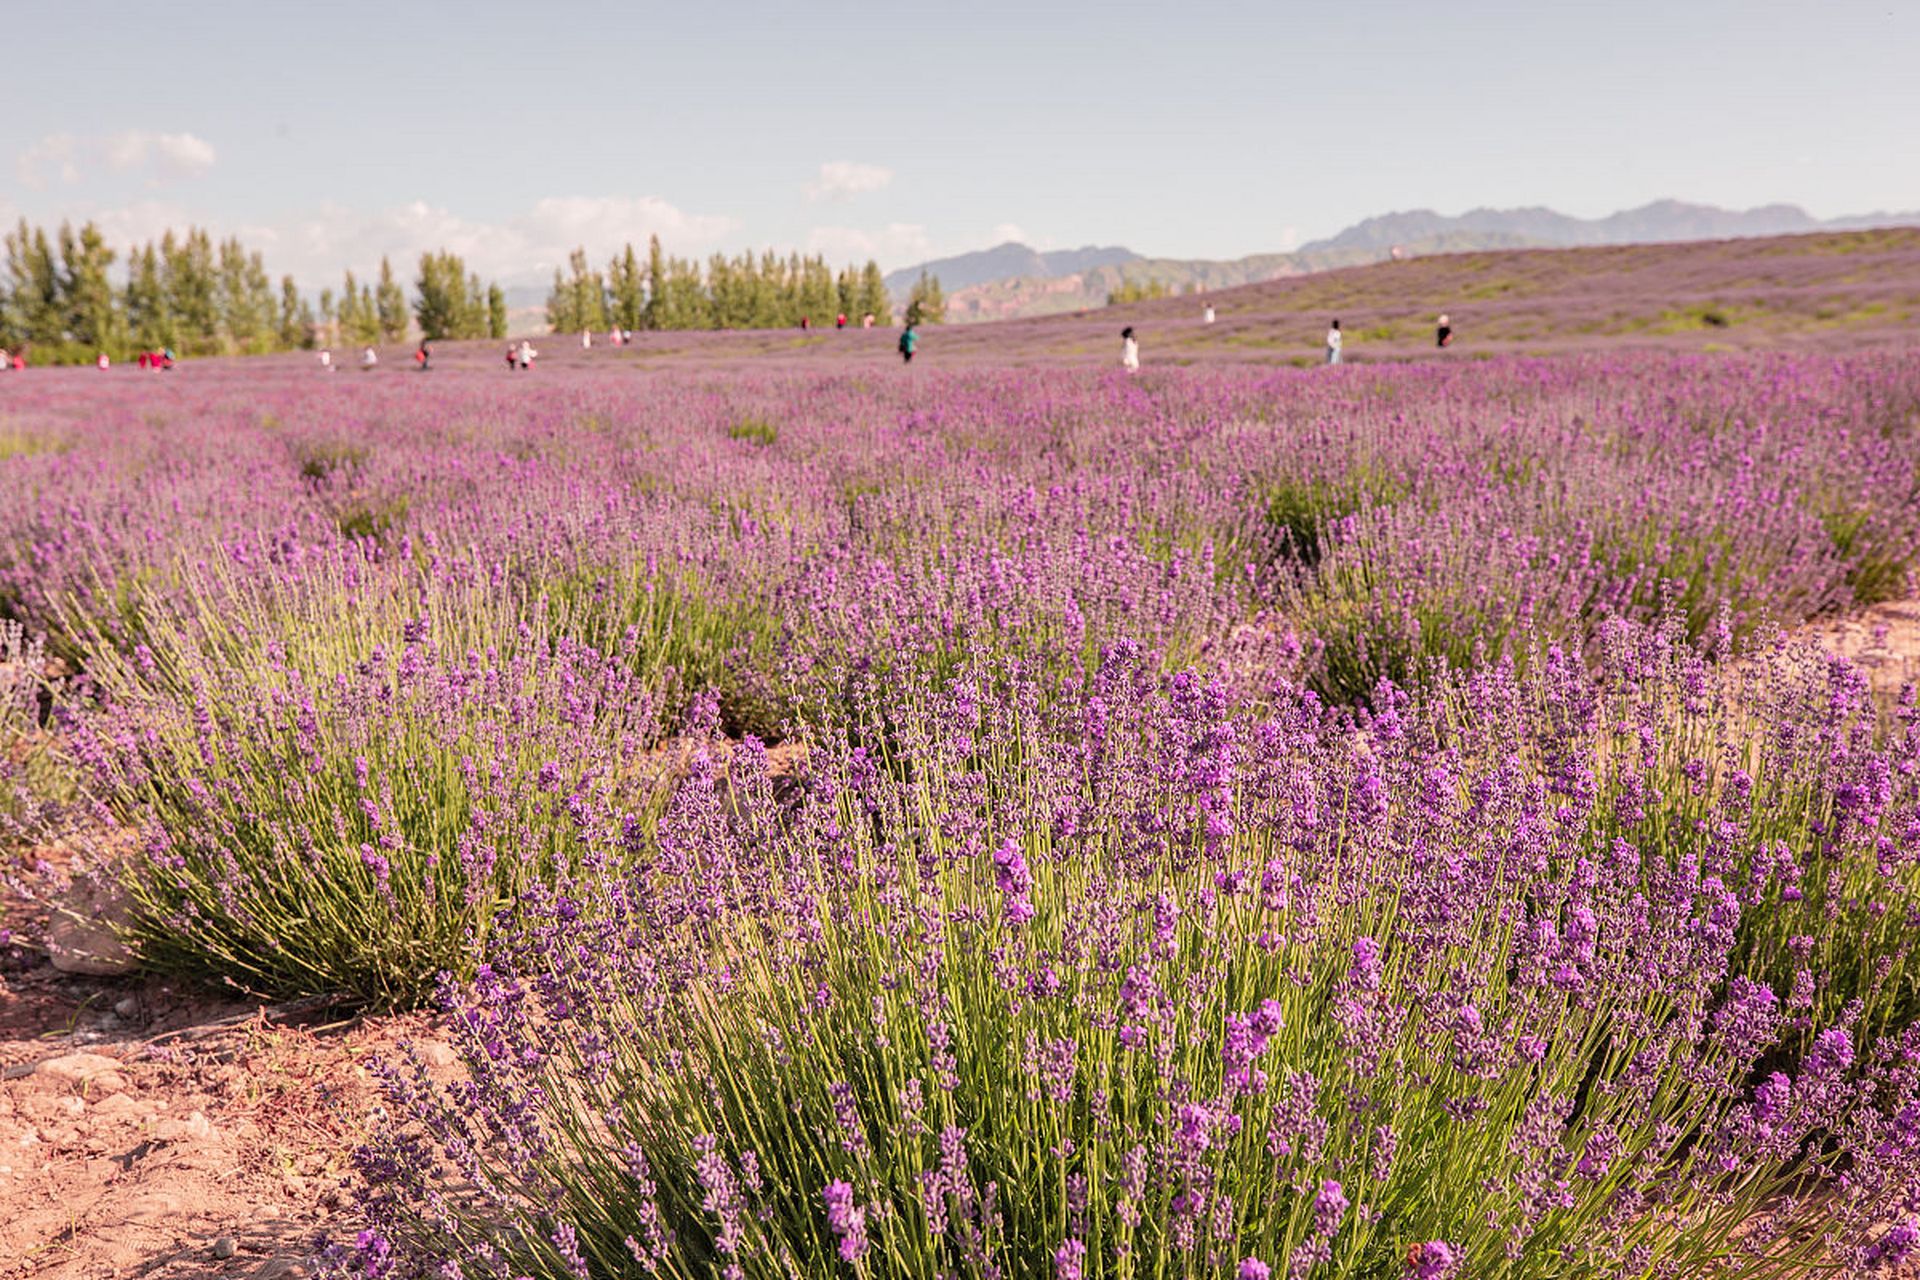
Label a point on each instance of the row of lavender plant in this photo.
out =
(1412, 511)
(254, 549)
(1124, 977)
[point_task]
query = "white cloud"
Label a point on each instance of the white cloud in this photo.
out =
(841, 179)
(171, 155)
(895, 244)
(57, 154)
(68, 157)
(525, 248)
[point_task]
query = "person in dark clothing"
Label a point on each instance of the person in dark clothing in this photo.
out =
(1444, 334)
(909, 339)
(421, 356)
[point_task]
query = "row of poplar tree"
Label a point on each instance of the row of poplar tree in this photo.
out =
(744, 292)
(191, 296)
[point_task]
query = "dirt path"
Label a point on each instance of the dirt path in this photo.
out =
(1883, 640)
(148, 1132)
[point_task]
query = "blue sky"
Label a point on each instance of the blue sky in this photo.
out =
(328, 134)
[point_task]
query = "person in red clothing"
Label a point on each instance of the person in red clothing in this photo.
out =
(840, 321)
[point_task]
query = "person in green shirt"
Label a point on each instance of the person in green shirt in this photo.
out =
(909, 339)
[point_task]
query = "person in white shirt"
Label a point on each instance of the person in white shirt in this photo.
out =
(586, 339)
(1129, 351)
(326, 359)
(1333, 343)
(527, 354)
(1207, 316)
(369, 358)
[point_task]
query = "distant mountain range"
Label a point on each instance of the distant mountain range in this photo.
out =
(1007, 262)
(1011, 280)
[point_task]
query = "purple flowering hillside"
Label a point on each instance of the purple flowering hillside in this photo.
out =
(1236, 821)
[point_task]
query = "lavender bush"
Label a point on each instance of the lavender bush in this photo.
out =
(317, 821)
(1126, 979)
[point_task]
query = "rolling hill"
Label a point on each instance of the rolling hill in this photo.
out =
(1011, 281)
(1829, 290)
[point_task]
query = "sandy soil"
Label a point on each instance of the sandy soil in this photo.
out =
(147, 1131)
(1884, 640)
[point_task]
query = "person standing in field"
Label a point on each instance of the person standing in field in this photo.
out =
(368, 359)
(1129, 351)
(326, 359)
(527, 354)
(909, 340)
(101, 361)
(422, 356)
(866, 321)
(1206, 317)
(1444, 334)
(1333, 343)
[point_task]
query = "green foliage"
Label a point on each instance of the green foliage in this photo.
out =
(390, 305)
(449, 301)
(1298, 509)
(754, 430)
(873, 300)
(296, 317)
(359, 320)
(626, 290)
(1878, 576)
(496, 311)
(926, 302)
(578, 300)
(1135, 290)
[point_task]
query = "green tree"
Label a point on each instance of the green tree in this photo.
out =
(1137, 291)
(817, 299)
(92, 319)
(296, 317)
(926, 303)
(579, 298)
(33, 304)
(390, 305)
(846, 292)
(359, 319)
(656, 284)
(193, 290)
(448, 301)
(872, 298)
(563, 312)
(496, 311)
(149, 316)
(626, 290)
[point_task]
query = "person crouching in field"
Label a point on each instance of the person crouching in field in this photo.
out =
(909, 340)
(1443, 335)
(1333, 343)
(1129, 351)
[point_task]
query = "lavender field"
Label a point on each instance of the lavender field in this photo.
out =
(1238, 821)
